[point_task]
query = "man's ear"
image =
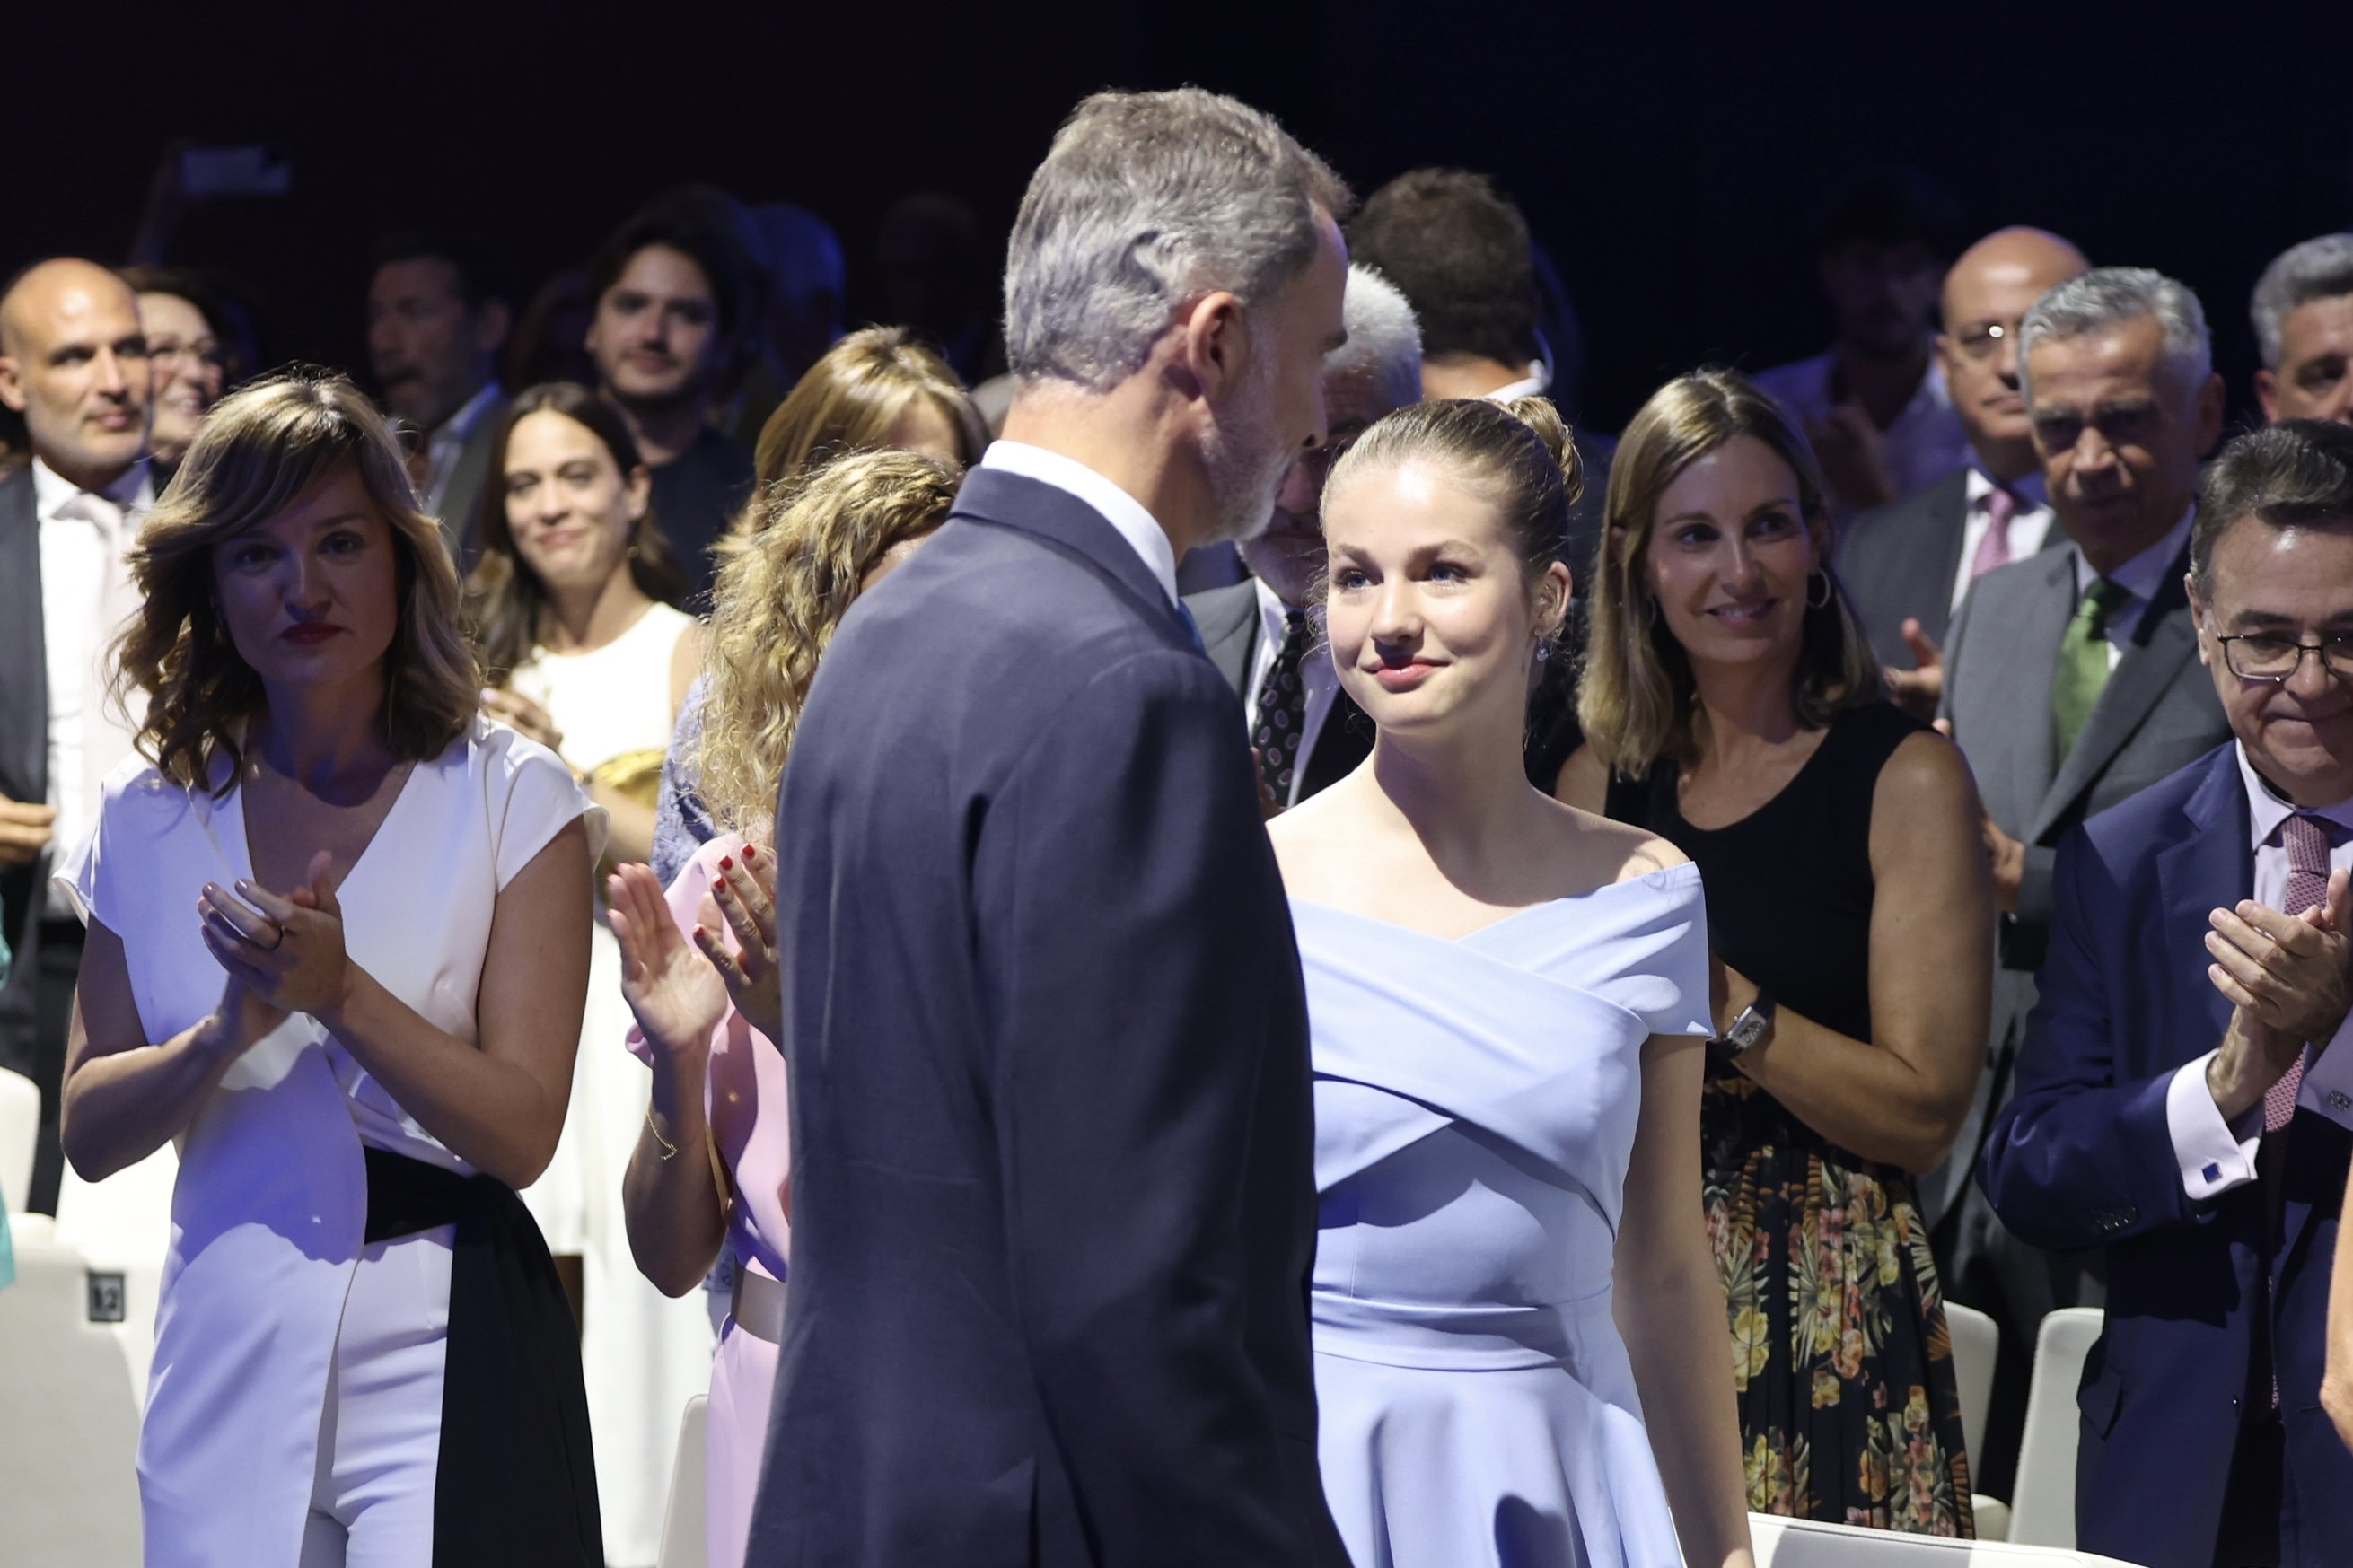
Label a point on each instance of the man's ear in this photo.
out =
(2201, 621)
(1217, 345)
(12, 384)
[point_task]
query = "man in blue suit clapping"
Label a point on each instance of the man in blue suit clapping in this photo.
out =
(2184, 1100)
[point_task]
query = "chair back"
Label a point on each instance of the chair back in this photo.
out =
(682, 1537)
(2042, 1503)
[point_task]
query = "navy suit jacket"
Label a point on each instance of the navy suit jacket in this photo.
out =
(23, 755)
(1054, 1194)
(2081, 1157)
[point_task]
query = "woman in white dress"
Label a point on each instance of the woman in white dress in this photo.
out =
(338, 944)
(1518, 1324)
(575, 596)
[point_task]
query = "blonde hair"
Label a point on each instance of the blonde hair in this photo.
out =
(849, 399)
(783, 587)
(1637, 697)
(258, 452)
(1518, 456)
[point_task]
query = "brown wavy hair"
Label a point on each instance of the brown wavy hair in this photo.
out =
(784, 587)
(504, 597)
(259, 451)
(1637, 697)
(848, 400)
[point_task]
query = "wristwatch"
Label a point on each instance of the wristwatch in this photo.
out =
(1749, 1029)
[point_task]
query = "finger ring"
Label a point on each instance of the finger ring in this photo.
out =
(277, 939)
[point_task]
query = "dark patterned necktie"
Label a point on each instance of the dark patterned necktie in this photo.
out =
(1283, 711)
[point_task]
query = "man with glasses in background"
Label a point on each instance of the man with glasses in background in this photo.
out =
(1906, 565)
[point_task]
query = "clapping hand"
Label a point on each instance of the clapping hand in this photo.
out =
(743, 894)
(2287, 976)
(287, 952)
(675, 994)
(25, 830)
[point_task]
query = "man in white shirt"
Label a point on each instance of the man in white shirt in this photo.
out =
(1875, 406)
(437, 315)
(1906, 565)
(1264, 634)
(73, 362)
(2185, 1094)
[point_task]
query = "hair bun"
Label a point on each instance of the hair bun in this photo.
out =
(1539, 414)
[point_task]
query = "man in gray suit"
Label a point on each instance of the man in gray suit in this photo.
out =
(2072, 683)
(73, 362)
(1906, 564)
(1306, 733)
(437, 315)
(2302, 313)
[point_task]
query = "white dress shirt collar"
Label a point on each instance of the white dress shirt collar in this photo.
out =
(2267, 808)
(132, 490)
(2144, 576)
(1121, 510)
(2027, 487)
(1533, 384)
(459, 427)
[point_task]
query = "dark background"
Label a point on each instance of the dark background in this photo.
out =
(1670, 156)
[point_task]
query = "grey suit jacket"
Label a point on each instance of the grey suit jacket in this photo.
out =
(24, 750)
(2156, 714)
(1898, 562)
(462, 500)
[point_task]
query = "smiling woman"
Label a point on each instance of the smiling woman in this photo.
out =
(361, 1051)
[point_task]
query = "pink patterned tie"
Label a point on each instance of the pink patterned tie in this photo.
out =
(2307, 884)
(1994, 550)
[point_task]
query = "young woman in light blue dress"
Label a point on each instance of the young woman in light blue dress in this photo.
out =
(1518, 1322)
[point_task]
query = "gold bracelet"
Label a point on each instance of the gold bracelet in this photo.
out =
(669, 1149)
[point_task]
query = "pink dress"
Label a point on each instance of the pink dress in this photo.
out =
(744, 1100)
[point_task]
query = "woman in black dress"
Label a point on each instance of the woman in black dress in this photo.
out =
(1732, 705)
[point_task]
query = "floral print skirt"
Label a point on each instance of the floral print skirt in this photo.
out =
(1848, 1409)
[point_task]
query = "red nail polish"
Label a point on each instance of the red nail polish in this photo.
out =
(751, 853)
(726, 862)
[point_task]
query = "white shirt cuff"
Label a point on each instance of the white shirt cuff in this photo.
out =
(2328, 1087)
(2213, 1158)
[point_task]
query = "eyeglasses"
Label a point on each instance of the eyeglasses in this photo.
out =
(2262, 657)
(1977, 339)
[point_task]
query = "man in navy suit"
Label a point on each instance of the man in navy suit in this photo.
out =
(1053, 1202)
(2185, 1097)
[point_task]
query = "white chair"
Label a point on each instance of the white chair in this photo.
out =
(2042, 1503)
(122, 1228)
(68, 1492)
(682, 1544)
(1976, 1341)
(20, 1123)
(1802, 1543)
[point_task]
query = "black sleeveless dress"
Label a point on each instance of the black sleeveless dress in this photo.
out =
(1848, 1408)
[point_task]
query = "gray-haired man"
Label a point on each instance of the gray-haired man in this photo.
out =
(1306, 733)
(2072, 683)
(2303, 310)
(1053, 1196)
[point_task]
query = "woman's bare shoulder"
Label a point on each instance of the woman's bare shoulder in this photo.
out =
(1605, 851)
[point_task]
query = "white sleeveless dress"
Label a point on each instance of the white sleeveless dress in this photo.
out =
(267, 1283)
(1475, 1105)
(644, 1354)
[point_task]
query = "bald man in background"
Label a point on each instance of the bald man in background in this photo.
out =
(1906, 565)
(73, 363)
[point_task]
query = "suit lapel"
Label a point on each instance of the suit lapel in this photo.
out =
(2040, 626)
(2212, 867)
(23, 663)
(1946, 521)
(1228, 619)
(2162, 644)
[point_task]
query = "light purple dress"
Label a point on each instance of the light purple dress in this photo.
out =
(1475, 1106)
(744, 1099)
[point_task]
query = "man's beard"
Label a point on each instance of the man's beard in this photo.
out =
(1245, 461)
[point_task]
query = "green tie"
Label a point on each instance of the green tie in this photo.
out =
(2082, 661)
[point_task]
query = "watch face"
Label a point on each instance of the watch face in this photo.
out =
(1747, 1029)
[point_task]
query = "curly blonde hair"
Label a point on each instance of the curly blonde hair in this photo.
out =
(784, 584)
(261, 451)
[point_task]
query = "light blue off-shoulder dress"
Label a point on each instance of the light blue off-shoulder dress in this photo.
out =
(1475, 1105)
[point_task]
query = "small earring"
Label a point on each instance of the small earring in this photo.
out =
(1812, 603)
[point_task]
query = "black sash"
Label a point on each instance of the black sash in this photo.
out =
(517, 1482)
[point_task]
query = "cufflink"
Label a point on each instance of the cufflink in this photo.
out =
(2339, 1101)
(2213, 1172)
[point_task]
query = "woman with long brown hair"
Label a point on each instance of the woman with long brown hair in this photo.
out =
(1731, 705)
(700, 972)
(338, 945)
